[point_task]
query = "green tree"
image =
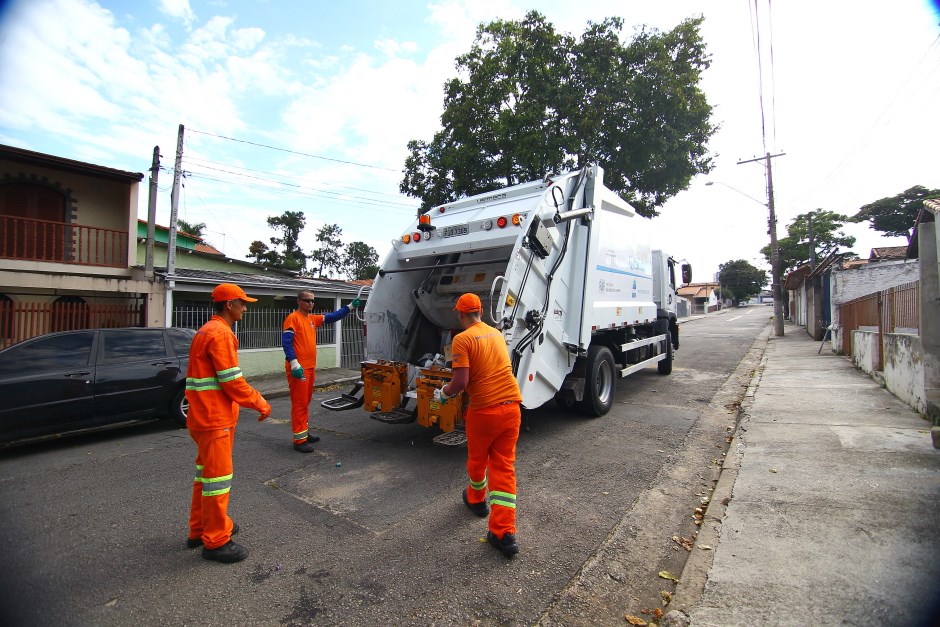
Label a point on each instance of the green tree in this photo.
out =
(827, 236)
(191, 228)
(290, 256)
(739, 280)
(359, 261)
(529, 101)
(327, 258)
(896, 215)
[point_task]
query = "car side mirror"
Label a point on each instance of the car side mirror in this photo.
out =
(686, 273)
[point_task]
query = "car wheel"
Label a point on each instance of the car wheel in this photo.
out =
(179, 406)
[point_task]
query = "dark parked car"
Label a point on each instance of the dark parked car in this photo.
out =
(73, 380)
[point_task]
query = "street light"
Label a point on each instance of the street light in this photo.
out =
(775, 285)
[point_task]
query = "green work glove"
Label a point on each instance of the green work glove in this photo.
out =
(355, 304)
(296, 370)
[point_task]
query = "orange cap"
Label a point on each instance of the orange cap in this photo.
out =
(468, 303)
(230, 291)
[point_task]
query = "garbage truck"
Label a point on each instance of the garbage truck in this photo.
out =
(566, 272)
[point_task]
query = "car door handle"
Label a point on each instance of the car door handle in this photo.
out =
(161, 363)
(82, 373)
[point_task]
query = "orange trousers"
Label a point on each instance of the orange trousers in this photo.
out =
(301, 391)
(492, 433)
(208, 510)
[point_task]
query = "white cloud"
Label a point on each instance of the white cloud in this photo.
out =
(179, 10)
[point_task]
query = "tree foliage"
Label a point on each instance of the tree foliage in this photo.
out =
(739, 280)
(191, 228)
(529, 101)
(284, 253)
(359, 261)
(327, 257)
(896, 215)
(827, 236)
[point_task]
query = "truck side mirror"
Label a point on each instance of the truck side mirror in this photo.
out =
(686, 273)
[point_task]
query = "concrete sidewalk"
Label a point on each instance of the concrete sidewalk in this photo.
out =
(275, 385)
(827, 507)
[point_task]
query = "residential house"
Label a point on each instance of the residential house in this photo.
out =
(66, 247)
(73, 255)
(701, 296)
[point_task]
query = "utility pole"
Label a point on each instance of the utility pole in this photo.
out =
(775, 285)
(174, 212)
(152, 213)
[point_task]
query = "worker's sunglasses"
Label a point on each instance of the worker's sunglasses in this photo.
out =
(306, 300)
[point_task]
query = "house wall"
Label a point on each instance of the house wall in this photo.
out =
(260, 361)
(904, 369)
(847, 285)
(865, 350)
(928, 244)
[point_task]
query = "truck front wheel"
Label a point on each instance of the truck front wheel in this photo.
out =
(601, 384)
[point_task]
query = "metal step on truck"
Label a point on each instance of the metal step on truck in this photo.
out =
(565, 270)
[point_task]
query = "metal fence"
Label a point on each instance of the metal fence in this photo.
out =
(887, 310)
(262, 328)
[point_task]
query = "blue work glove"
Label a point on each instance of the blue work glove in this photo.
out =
(440, 396)
(355, 304)
(296, 370)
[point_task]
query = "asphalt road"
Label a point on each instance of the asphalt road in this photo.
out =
(370, 529)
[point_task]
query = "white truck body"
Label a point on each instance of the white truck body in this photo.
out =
(569, 276)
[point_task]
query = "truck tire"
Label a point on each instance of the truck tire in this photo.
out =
(665, 365)
(601, 382)
(179, 406)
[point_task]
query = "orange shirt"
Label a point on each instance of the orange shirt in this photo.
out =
(482, 349)
(305, 336)
(215, 386)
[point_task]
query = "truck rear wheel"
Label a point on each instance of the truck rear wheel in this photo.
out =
(665, 366)
(600, 384)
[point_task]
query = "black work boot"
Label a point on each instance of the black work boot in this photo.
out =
(481, 509)
(304, 447)
(506, 545)
(193, 543)
(228, 553)
(313, 439)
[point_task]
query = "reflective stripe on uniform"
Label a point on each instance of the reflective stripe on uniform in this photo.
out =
(229, 374)
(503, 498)
(478, 485)
(301, 435)
(198, 477)
(207, 384)
(215, 486)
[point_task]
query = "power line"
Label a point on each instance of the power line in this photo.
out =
(294, 152)
(295, 192)
(284, 176)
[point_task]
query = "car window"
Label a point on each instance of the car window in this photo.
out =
(52, 353)
(133, 345)
(182, 339)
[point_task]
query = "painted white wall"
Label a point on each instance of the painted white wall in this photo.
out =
(904, 369)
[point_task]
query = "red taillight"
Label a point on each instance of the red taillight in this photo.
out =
(416, 237)
(501, 221)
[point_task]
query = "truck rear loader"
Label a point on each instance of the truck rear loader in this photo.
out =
(564, 269)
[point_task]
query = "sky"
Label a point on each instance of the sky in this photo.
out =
(305, 105)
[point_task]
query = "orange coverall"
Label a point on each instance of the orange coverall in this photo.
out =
(492, 422)
(300, 342)
(215, 388)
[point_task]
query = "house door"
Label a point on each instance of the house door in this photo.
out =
(32, 220)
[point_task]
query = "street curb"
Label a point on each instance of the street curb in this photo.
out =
(694, 577)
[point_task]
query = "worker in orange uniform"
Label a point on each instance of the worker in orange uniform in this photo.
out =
(300, 351)
(481, 366)
(215, 388)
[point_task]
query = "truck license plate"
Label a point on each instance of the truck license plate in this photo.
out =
(454, 231)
